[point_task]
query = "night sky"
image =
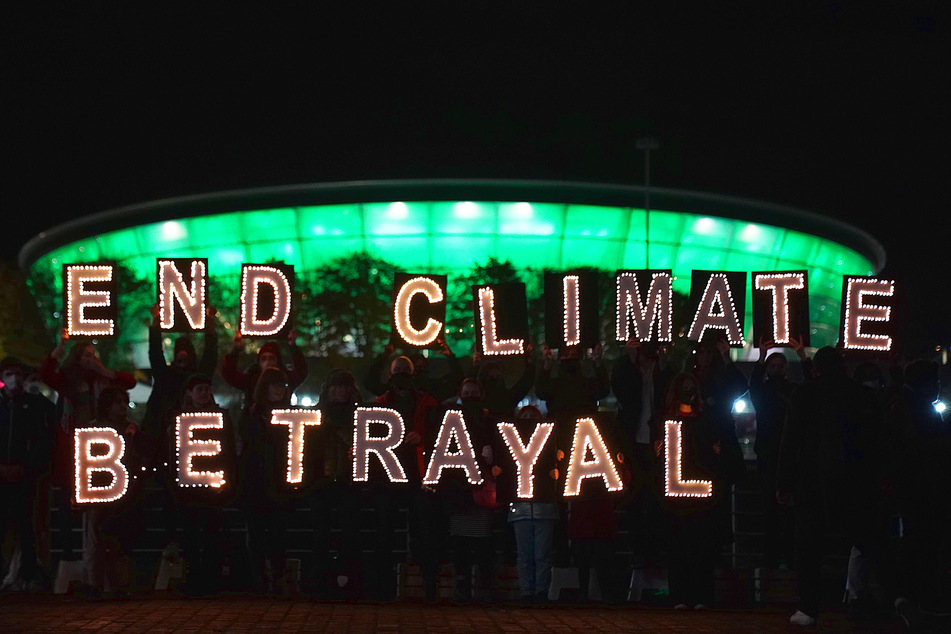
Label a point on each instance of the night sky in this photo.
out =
(837, 109)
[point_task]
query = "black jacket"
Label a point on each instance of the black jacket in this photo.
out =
(26, 423)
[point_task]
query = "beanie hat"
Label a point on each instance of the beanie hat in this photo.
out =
(196, 379)
(272, 347)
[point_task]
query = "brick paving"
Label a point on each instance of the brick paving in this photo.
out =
(44, 613)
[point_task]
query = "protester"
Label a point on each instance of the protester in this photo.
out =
(79, 381)
(639, 383)
(202, 508)
(25, 422)
(331, 473)
(500, 399)
(439, 387)
(471, 508)
(264, 495)
(112, 529)
(920, 450)
(593, 526)
(700, 526)
(168, 380)
(269, 356)
(720, 381)
(824, 473)
(426, 521)
(532, 521)
(770, 392)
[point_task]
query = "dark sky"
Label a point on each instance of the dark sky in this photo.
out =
(835, 108)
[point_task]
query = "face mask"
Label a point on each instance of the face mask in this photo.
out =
(14, 383)
(401, 381)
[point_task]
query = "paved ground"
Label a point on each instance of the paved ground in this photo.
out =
(24, 613)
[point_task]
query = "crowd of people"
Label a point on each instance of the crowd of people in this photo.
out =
(837, 453)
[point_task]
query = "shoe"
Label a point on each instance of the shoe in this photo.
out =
(681, 606)
(701, 606)
(801, 618)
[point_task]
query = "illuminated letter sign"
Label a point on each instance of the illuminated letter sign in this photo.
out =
(525, 456)
(181, 302)
(571, 309)
(780, 307)
(297, 421)
(877, 313)
(656, 308)
(108, 462)
(717, 307)
(501, 308)
(587, 438)
(453, 428)
(381, 446)
(188, 448)
(80, 300)
(431, 313)
(265, 299)
(675, 485)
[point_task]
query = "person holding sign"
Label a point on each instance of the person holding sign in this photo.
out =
(263, 466)
(329, 461)
(415, 407)
(203, 473)
(709, 454)
(639, 382)
(527, 477)
(168, 379)
(113, 528)
(269, 356)
(770, 392)
(500, 399)
(79, 380)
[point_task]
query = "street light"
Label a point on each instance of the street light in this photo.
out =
(647, 143)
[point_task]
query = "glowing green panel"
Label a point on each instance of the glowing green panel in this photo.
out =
(740, 261)
(272, 224)
(119, 244)
(227, 259)
(284, 251)
(396, 219)
(530, 252)
(758, 238)
(587, 221)
(216, 231)
(402, 251)
(172, 234)
(465, 217)
(330, 221)
(531, 219)
(635, 253)
(316, 253)
(798, 247)
(577, 252)
(697, 258)
(665, 228)
(459, 252)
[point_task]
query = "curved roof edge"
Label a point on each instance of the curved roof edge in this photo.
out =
(453, 189)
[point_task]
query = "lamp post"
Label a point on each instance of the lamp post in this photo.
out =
(647, 143)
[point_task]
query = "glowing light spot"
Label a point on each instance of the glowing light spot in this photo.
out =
(173, 230)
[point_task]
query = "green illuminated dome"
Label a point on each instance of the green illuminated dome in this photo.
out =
(450, 226)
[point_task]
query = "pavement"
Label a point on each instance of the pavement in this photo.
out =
(48, 613)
